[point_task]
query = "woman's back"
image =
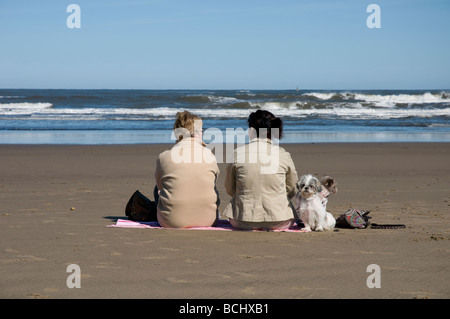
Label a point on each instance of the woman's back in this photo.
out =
(261, 181)
(186, 177)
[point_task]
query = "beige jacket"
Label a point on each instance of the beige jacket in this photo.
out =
(261, 181)
(186, 177)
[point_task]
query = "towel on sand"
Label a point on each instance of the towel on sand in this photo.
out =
(221, 225)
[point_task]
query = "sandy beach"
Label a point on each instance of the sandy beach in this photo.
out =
(56, 203)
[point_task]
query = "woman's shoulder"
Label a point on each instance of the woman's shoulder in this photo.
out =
(282, 149)
(164, 154)
(187, 152)
(283, 155)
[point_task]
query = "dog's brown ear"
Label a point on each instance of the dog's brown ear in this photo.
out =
(327, 181)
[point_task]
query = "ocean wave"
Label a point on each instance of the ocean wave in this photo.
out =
(194, 98)
(320, 96)
(24, 106)
(241, 105)
(208, 99)
(438, 125)
(370, 113)
(283, 110)
(425, 98)
(276, 106)
(382, 100)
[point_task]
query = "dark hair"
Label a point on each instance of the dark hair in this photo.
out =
(262, 119)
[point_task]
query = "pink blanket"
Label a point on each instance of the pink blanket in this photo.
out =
(221, 225)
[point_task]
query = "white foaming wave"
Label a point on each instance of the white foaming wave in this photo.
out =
(211, 99)
(386, 100)
(356, 111)
(369, 113)
(223, 99)
(283, 110)
(166, 112)
(276, 106)
(321, 96)
(403, 98)
(439, 125)
(46, 112)
(23, 108)
(26, 105)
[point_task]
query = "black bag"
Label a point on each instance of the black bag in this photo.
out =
(353, 218)
(140, 208)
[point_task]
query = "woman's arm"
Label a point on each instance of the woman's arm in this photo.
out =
(291, 177)
(158, 174)
(230, 180)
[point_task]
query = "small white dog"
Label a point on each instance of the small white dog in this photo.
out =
(310, 206)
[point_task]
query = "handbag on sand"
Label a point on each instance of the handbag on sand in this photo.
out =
(354, 218)
(140, 208)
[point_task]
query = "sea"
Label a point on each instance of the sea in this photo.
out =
(69, 116)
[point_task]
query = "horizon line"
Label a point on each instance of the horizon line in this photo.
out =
(234, 89)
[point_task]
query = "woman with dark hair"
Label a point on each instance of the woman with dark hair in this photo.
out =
(263, 121)
(262, 178)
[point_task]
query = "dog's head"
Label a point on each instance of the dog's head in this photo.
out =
(309, 185)
(329, 183)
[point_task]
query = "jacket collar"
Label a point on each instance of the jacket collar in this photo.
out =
(191, 140)
(261, 140)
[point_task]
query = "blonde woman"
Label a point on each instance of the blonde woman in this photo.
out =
(186, 178)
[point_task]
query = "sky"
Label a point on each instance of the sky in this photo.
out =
(227, 44)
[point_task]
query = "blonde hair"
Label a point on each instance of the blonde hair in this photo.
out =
(187, 122)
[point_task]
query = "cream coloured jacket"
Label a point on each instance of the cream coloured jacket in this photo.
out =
(261, 180)
(186, 177)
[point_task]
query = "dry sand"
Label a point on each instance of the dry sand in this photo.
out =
(56, 201)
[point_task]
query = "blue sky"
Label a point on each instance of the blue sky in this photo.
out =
(225, 44)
